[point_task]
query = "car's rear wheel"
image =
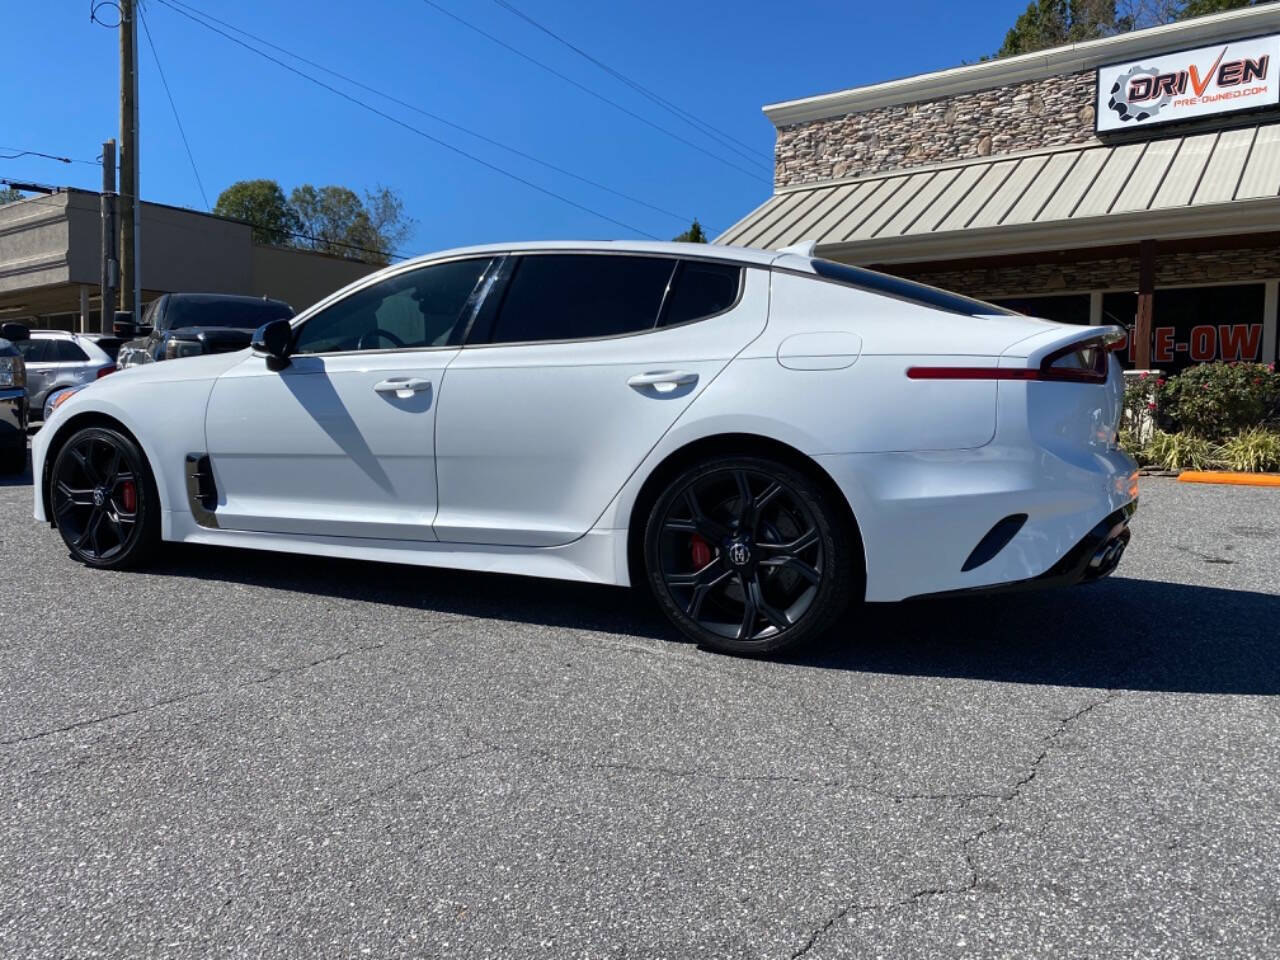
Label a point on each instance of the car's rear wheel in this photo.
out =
(104, 500)
(748, 555)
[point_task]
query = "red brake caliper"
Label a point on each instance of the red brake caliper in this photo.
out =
(129, 496)
(701, 551)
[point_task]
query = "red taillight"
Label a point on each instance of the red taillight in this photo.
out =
(103, 371)
(1084, 362)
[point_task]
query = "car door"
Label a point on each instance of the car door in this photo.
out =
(576, 366)
(340, 441)
(40, 357)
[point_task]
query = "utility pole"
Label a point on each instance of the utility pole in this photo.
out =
(130, 201)
(110, 266)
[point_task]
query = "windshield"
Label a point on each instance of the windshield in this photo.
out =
(223, 312)
(907, 290)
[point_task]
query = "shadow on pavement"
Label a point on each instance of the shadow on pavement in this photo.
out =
(1119, 633)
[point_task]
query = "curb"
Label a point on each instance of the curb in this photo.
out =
(1228, 477)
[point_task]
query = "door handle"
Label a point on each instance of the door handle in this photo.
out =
(402, 386)
(663, 381)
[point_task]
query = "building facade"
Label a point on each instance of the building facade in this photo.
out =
(51, 260)
(1131, 180)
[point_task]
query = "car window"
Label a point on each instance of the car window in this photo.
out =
(579, 296)
(237, 313)
(909, 290)
(700, 290)
(68, 352)
(110, 346)
(420, 308)
(35, 350)
(152, 315)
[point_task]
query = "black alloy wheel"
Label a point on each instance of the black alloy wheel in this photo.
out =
(747, 556)
(103, 499)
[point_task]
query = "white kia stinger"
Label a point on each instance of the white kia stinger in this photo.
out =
(759, 438)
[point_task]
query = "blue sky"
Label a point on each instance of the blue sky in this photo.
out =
(246, 117)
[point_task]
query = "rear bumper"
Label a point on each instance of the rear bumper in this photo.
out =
(13, 418)
(1096, 556)
(921, 515)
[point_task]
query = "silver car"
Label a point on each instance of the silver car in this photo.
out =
(57, 359)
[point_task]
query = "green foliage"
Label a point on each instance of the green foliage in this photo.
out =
(1178, 451)
(1256, 450)
(1200, 8)
(9, 195)
(1139, 401)
(263, 204)
(1215, 400)
(1131, 445)
(1052, 23)
(328, 219)
(695, 234)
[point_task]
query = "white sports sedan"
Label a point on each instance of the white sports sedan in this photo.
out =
(757, 438)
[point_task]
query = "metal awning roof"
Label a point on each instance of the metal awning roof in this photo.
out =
(1200, 184)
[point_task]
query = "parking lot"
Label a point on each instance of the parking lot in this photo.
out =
(241, 754)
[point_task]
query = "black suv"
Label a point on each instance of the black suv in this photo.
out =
(190, 324)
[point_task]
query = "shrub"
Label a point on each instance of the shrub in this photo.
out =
(1256, 450)
(1216, 400)
(1178, 451)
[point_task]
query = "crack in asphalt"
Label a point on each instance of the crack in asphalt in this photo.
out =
(273, 673)
(994, 824)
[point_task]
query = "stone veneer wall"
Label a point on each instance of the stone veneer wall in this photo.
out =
(1172, 269)
(1049, 112)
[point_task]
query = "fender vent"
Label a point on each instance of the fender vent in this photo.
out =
(997, 539)
(202, 493)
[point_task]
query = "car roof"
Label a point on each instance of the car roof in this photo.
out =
(762, 258)
(53, 333)
(225, 298)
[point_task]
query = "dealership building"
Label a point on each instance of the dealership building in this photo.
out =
(1131, 180)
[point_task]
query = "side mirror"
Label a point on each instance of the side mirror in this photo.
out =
(15, 332)
(274, 340)
(123, 326)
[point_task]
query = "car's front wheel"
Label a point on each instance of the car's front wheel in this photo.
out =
(104, 500)
(749, 555)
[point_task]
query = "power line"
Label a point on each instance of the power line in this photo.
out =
(410, 127)
(750, 153)
(174, 107)
(433, 116)
(36, 153)
(595, 93)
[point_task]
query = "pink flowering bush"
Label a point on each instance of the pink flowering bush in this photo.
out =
(1216, 400)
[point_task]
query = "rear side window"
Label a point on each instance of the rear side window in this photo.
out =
(909, 290)
(68, 352)
(701, 290)
(580, 296)
(35, 350)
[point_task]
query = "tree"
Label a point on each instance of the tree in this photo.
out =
(9, 195)
(342, 224)
(329, 219)
(263, 204)
(1053, 23)
(695, 234)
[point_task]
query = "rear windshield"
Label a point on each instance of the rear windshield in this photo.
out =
(245, 314)
(908, 290)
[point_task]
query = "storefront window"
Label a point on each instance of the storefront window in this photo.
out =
(1196, 324)
(1064, 308)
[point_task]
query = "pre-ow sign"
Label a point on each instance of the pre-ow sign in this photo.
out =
(1223, 78)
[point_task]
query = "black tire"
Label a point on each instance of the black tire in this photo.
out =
(97, 475)
(788, 550)
(13, 460)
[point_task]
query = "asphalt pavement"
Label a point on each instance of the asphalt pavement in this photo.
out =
(241, 754)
